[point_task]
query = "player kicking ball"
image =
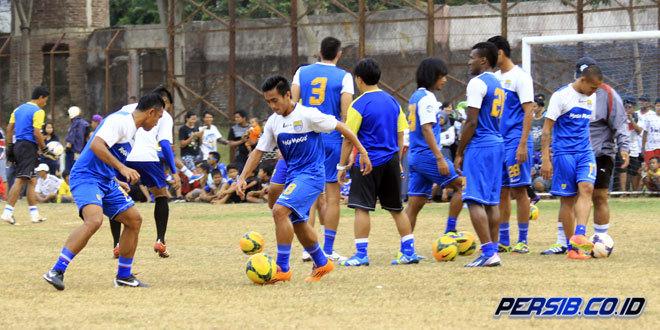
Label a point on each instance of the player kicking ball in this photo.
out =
(379, 122)
(296, 131)
(483, 150)
(573, 163)
(96, 190)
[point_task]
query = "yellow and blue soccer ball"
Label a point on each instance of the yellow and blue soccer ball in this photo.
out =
(251, 243)
(467, 243)
(260, 268)
(445, 248)
(533, 212)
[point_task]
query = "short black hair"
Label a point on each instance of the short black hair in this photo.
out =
(429, 71)
(593, 72)
(502, 44)
(232, 166)
(215, 154)
(39, 91)
(268, 169)
(162, 91)
(330, 46)
(241, 113)
(487, 50)
(150, 100)
(207, 113)
(367, 69)
(215, 172)
(278, 82)
(190, 114)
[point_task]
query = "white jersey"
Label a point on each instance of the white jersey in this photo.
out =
(146, 145)
(209, 140)
(519, 89)
(650, 123)
(48, 186)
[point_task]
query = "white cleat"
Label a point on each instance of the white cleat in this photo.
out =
(38, 219)
(336, 257)
(306, 257)
(10, 220)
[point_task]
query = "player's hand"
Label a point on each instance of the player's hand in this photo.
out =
(365, 163)
(240, 187)
(341, 176)
(626, 159)
(458, 164)
(124, 186)
(177, 181)
(546, 169)
(130, 174)
(442, 166)
(521, 154)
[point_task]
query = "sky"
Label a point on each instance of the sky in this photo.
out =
(5, 16)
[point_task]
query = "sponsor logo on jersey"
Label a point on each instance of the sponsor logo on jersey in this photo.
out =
(295, 140)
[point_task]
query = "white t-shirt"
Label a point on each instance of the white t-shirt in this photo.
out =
(650, 123)
(146, 145)
(346, 83)
(209, 140)
(48, 186)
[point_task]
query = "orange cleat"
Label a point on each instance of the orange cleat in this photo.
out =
(577, 255)
(161, 249)
(582, 243)
(318, 272)
(115, 251)
(280, 276)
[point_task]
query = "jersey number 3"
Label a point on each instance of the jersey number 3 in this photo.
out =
(318, 91)
(498, 103)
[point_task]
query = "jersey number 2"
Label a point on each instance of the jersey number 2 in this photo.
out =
(318, 91)
(498, 103)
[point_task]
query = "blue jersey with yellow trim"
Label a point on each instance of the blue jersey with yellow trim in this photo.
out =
(485, 93)
(423, 108)
(571, 112)
(519, 89)
(26, 118)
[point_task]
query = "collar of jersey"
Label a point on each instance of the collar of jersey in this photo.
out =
(34, 104)
(375, 90)
(328, 64)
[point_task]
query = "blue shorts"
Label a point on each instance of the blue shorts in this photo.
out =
(514, 174)
(299, 195)
(332, 157)
(423, 173)
(106, 194)
(483, 180)
(279, 173)
(571, 169)
(152, 174)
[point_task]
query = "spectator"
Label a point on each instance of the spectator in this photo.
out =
(64, 191)
(75, 137)
(632, 174)
(261, 195)
(228, 190)
(652, 178)
(96, 120)
(210, 192)
(49, 136)
(650, 123)
(238, 137)
(47, 185)
(214, 164)
(190, 137)
(210, 137)
(447, 133)
(537, 121)
(253, 133)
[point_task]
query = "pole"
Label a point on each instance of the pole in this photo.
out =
(430, 28)
(2, 49)
(232, 65)
(580, 25)
(504, 22)
(294, 35)
(362, 22)
(51, 73)
(170, 50)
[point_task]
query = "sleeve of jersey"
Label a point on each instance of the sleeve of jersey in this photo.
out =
(427, 108)
(109, 132)
(320, 122)
(267, 140)
(526, 89)
(347, 84)
(402, 124)
(168, 153)
(353, 119)
(476, 90)
(554, 107)
(296, 78)
(12, 118)
(38, 119)
(165, 127)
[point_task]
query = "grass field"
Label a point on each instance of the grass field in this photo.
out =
(203, 284)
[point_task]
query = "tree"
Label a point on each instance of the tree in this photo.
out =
(133, 12)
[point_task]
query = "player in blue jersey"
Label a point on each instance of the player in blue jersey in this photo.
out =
(515, 125)
(330, 89)
(296, 130)
(573, 165)
(481, 149)
(96, 191)
(426, 163)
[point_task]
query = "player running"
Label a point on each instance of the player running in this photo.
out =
(96, 190)
(515, 124)
(573, 166)
(330, 89)
(426, 163)
(379, 122)
(295, 129)
(482, 147)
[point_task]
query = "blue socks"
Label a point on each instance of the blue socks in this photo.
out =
(317, 255)
(283, 253)
(580, 230)
(329, 244)
(63, 261)
(522, 232)
(361, 245)
(124, 267)
(408, 245)
(504, 234)
(488, 249)
(451, 224)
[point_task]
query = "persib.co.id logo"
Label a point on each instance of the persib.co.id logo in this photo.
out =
(570, 307)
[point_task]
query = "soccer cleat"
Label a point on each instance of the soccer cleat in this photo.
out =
(10, 220)
(484, 261)
(115, 251)
(581, 242)
(194, 178)
(554, 249)
(403, 259)
(55, 278)
(161, 249)
(577, 255)
(336, 257)
(318, 272)
(306, 257)
(501, 248)
(356, 261)
(130, 281)
(520, 247)
(280, 276)
(38, 219)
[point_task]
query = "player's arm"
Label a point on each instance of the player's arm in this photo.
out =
(9, 138)
(365, 163)
(38, 120)
(353, 121)
(521, 152)
(469, 128)
(295, 87)
(546, 140)
(619, 125)
(266, 142)
(347, 91)
(427, 132)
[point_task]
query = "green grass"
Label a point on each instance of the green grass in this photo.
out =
(203, 284)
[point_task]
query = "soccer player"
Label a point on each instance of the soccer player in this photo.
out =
(277, 181)
(25, 127)
(573, 166)
(426, 163)
(296, 130)
(145, 160)
(330, 89)
(379, 122)
(481, 146)
(96, 190)
(515, 125)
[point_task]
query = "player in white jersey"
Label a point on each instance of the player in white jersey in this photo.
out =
(96, 190)
(515, 124)
(145, 159)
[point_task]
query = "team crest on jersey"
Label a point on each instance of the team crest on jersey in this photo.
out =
(98, 196)
(563, 186)
(298, 126)
(589, 102)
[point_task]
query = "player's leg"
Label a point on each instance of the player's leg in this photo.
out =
(115, 229)
(481, 225)
(12, 198)
(128, 240)
(361, 198)
(33, 201)
(274, 191)
(161, 215)
(455, 205)
(605, 167)
(504, 244)
(585, 178)
(25, 154)
(429, 169)
(415, 204)
(523, 209)
(329, 213)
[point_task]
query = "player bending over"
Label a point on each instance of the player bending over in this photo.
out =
(96, 190)
(296, 129)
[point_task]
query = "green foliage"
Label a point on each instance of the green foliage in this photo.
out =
(132, 12)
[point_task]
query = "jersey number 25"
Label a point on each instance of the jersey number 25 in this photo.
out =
(498, 103)
(318, 91)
